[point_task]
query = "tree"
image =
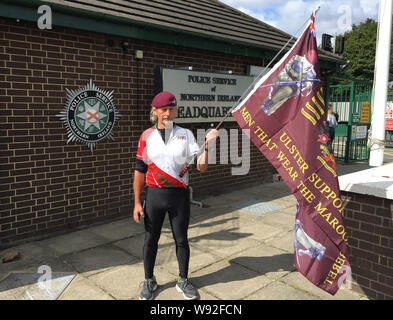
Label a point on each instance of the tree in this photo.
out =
(360, 46)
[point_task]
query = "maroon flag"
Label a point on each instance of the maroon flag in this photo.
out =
(284, 115)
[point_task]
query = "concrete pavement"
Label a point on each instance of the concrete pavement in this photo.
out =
(241, 248)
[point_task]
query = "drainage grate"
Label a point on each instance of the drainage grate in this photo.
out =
(259, 207)
(30, 286)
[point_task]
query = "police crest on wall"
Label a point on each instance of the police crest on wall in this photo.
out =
(89, 115)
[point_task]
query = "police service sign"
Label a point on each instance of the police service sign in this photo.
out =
(89, 115)
(204, 96)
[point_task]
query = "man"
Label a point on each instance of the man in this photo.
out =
(164, 151)
(332, 122)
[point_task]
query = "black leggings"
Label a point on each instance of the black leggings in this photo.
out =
(158, 201)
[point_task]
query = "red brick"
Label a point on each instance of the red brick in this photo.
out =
(370, 218)
(387, 223)
(26, 229)
(20, 210)
(388, 232)
(13, 64)
(7, 220)
(367, 227)
(384, 289)
(365, 254)
(383, 251)
(384, 212)
(80, 51)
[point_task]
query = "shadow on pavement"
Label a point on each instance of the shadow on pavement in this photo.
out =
(256, 265)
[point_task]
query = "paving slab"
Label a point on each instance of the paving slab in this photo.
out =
(197, 213)
(224, 243)
(228, 281)
(74, 241)
(241, 196)
(288, 201)
(169, 292)
(260, 231)
(291, 211)
(298, 280)
(34, 286)
(265, 260)
(82, 288)
(278, 219)
(125, 282)
(235, 254)
(54, 264)
(118, 230)
(277, 290)
(232, 217)
(98, 259)
(28, 251)
(198, 260)
(132, 245)
(270, 191)
(258, 207)
(212, 224)
(31, 256)
(215, 201)
(283, 241)
(226, 221)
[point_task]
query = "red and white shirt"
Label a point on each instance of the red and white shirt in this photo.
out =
(165, 161)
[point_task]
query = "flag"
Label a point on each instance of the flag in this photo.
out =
(284, 115)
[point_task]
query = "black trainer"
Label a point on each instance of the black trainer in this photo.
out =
(149, 286)
(188, 290)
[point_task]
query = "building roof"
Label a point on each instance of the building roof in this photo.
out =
(205, 17)
(209, 19)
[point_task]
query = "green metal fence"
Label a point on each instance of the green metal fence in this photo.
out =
(351, 100)
(389, 138)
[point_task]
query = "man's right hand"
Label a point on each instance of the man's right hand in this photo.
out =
(138, 213)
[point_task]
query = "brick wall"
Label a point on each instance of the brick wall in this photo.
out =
(48, 186)
(369, 221)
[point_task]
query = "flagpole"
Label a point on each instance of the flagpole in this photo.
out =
(246, 92)
(262, 73)
(381, 78)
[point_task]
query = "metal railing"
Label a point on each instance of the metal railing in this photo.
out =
(351, 100)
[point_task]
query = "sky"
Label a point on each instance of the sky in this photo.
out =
(334, 16)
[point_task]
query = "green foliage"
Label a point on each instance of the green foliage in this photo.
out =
(360, 46)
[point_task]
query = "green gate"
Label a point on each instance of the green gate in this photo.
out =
(351, 100)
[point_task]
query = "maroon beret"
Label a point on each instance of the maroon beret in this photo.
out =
(164, 99)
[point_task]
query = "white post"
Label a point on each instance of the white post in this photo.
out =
(381, 78)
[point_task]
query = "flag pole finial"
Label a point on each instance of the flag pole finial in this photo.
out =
(315, 11)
